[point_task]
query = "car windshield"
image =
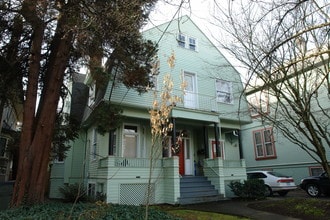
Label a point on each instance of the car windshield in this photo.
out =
(277, 174)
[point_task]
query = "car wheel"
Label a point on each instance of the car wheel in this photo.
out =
(313, 190)
(268, 191)
(282, 193)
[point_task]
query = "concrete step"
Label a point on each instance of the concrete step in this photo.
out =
(197, 189)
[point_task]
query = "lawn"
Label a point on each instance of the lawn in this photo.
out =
(303, 208)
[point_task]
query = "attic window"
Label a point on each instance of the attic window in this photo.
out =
(187, 42)
(182, 40)
(192, 43)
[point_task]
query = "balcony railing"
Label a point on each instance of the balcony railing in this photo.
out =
(198, 101)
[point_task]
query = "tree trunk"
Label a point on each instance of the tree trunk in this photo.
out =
(37, 131)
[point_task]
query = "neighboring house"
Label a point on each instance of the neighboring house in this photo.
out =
(10, 124)
(267, 148)
(207, 123)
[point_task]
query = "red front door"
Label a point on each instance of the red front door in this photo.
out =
(181, 159)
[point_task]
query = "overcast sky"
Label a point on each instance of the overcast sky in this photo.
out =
(200, 11)
(197, 10)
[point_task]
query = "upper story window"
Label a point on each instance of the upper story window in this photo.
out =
(224, 91)
(182, 40)
(187, 42)
(192, 43)
(264, 146)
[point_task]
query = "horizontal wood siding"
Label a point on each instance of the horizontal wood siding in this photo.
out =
(56, 180)
(207, 63)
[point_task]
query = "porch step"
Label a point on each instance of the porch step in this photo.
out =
(197, 189)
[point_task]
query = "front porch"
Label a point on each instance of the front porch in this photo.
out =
(125, 180)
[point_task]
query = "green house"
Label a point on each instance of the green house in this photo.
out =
(277, 139)
(206, 130)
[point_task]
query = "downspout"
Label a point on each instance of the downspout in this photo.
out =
(240, 149)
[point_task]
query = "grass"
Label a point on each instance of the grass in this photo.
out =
(303, 208)
(199, 215)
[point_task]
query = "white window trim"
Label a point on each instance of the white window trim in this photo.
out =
(196, 43)
(186, 41)
(138, 134)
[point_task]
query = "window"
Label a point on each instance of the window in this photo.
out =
(187, 42)
(91, 189)
(192, 43)
(315, 171)
(182, 40)
(264, 144)
(112, 142)
(220, 150)
(94, 144)
(130, 142)
(224, 91)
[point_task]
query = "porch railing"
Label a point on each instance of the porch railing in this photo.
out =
(128, 162)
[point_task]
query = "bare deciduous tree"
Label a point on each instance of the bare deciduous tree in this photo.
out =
(284, 46)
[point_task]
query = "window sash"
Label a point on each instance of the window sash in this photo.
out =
(224, 91)
(264, 144)
(192, 43)
(182, 40)
(130, 141)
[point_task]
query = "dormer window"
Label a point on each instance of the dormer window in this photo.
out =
(187, 42)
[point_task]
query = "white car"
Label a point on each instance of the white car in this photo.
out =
(275, 182)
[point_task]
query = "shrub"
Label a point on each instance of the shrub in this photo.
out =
(74, 192)
(249, 189)
(82, 211)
